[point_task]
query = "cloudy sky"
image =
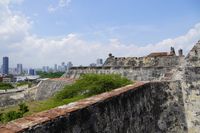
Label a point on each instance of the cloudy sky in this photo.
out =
(45, 32)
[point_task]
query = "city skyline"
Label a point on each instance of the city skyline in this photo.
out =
(49, 32)
(21, 65)
(5, 68)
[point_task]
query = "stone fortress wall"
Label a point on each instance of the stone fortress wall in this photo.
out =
(171, 104)
(43, 90)
(152, 60)
(191, 88)
(155, 66)
(153, 107)
(160, 66)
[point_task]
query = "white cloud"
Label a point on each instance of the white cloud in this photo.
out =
(51, 8)
(7, 2)
(64, 3)
(23, 47)
(61, 4)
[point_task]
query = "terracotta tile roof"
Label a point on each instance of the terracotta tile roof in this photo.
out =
(158, 54)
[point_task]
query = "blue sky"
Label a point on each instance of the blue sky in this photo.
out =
(102, 25)
(139, 21)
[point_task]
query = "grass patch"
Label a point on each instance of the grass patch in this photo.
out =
(86, 86)
(6, 86)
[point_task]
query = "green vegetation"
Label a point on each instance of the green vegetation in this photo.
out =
(24, 83)
(5, 86)
(86, 86)
(50, 74)
(92, 84)
(12, 115)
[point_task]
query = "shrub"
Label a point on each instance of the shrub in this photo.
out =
(5, 86)
(23, 108)
(92, 84)
(50, 74)
(12, 115)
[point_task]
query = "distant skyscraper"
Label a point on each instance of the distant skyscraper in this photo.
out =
(31, 72)
(69, 65)
(93, 64)
(55, 67)
(19, 69)
(63, 63)
(1, 69)
(59, 68)
(45, 68)
(63, 66)
(5, 65)
(99, 62)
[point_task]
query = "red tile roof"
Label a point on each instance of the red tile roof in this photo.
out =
(158, 54)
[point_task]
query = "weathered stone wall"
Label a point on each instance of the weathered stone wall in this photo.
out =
(144, 68)
(163, 61)
(193, 57)
(18, 89)
(15, 98)
(43, 90)
(189, 75)
(154, 107)
(49, 87)
(132, 73)
(191, 89)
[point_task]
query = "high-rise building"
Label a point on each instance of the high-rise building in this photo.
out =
(19, 69)
(55, 67)
(99, 62)
(1, 69)
(5, 65)
(63, 63)
(93, 65)
(69, 65)
(31, 72)
(63, 66)
(45, 68)
(59, 68)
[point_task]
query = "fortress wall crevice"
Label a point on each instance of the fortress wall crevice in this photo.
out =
(143, 107)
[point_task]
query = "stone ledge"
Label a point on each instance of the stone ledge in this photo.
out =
(62, 79)
(24, 123)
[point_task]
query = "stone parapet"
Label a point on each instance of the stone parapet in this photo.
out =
(142, 107)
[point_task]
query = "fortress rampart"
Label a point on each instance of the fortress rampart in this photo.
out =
(142, 107)
(152, 67)
(169, 105)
